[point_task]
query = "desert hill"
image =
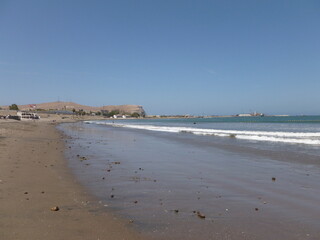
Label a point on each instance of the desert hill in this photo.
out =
(69, 106)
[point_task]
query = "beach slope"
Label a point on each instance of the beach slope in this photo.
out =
(34, 179)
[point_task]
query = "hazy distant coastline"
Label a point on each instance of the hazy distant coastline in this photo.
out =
(72, 106)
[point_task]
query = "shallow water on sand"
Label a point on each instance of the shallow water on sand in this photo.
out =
(168, 182)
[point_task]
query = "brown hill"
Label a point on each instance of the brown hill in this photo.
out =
(69, 106)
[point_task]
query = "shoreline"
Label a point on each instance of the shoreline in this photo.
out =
(36, 175)
(243, 193)
(35, 178)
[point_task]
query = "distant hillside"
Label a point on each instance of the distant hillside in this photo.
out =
(129, 109)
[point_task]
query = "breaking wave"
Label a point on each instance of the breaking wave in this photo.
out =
(311, 138)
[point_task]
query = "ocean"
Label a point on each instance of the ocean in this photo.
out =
(204, 178)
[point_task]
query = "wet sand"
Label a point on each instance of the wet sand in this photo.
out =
(34, 178)
(162, 180)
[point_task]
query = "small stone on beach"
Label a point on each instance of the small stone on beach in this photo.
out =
(54, 209)
(200, 215)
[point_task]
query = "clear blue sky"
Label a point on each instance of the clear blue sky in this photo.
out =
(172, 57)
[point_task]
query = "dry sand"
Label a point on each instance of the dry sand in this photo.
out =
(34, 178)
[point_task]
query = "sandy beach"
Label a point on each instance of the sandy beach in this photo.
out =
(48, 192)
(34, 179)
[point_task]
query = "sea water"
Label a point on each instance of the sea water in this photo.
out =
(303, 130)
(246, 175)
(294, 133)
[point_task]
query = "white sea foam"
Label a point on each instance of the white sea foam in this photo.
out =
(311, 138)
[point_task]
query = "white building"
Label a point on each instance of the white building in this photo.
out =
(27, 116)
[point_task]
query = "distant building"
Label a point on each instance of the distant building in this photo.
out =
(119, 116)
(27, 116)
(255, 114)
(33, 106)
(244, 115)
